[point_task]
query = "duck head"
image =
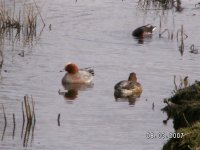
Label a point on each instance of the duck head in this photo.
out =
(71, 68)
(149, 28)
(132, 77)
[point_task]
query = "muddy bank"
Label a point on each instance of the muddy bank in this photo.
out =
(184, 108)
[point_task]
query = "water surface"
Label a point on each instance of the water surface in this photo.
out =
(96, 34)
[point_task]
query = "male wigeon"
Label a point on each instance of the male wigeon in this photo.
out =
(143, 31)
(128, 87)
(76, 75)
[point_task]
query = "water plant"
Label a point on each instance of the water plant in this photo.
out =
(28, 116)
(184, 108)
(160, 4)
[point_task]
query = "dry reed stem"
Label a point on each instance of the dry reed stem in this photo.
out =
(33, 107)
(175, 85)
(26, 107)
(4, 115)
(39, 13)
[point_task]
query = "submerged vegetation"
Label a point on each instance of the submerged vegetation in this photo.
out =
(184, 108)
(163, 4)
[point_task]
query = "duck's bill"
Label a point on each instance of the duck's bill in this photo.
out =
(154, 27)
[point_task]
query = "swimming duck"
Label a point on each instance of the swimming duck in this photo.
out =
(143, 31)
(76, 75)
(128, 87)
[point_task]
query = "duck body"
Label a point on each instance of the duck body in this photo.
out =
(77, 76)
(128, 87)
(143, 31)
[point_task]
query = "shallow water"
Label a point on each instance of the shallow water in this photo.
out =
(96, 34)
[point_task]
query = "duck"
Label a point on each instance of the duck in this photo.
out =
(76, 75)
(143, 31)
(128, 87)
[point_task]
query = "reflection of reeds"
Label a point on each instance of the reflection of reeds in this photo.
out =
(163, 4)
(14, 124)
(5, 122)
(29, 115)
(1, 57)
(183, 36)
(58, 119)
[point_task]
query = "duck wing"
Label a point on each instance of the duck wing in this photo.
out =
(125, 85)
(88, 69)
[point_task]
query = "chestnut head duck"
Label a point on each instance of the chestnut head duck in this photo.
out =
(128, 87)
(143, 31)
(76, 75)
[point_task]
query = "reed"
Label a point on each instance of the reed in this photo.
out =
(29, 115)
(30, 110)
(184, 82)
(24, 22)
(5, 123)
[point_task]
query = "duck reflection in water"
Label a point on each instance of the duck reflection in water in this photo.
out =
(130, 99)
(71, 91)
(128, 90)
(76, 79)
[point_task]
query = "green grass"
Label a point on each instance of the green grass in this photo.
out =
(184, 108)
(189, 141)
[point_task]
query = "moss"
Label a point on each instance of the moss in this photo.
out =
(188, 94)
(184, 108)
(189, 141)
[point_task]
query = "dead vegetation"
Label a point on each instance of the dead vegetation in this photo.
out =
(28, 120)
(160, 4)
(184, 108)
(19, 25)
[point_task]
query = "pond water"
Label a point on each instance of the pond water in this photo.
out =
(96, 34)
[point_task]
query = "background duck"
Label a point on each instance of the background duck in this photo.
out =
(128, 87)
(143, 31)
(76, 75)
